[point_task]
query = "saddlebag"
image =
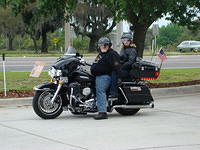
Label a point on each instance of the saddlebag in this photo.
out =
(137, 94)
(144, 70)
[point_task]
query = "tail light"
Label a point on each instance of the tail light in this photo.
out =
(148, 78)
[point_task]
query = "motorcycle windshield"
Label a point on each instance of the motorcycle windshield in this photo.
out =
(68, 60)
(71, 51)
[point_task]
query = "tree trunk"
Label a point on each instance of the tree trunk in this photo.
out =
(9, 44)
(140, 31)
(44, 43)
(35, 44)
(93, 44)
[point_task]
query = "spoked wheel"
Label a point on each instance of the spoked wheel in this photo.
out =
(44, 108)
(127, 112)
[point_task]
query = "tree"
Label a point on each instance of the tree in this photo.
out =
(169, 34)
(185, 35)
(10, 25)
(142, 13)
(89, 19)
(93, 21)
(38, 25)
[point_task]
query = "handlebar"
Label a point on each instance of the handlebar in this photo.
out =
(88, 64)
(85, 64)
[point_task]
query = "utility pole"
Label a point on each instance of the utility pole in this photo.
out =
(155, 30)
(119, 34)
(67, 35)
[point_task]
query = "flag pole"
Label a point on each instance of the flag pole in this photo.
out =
(4, 74)
(161, 64)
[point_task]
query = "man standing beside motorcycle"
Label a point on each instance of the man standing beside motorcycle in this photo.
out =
(105, 63)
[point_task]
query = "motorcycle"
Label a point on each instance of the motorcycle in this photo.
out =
(73, 88)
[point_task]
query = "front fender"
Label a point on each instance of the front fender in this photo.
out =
(46, 87)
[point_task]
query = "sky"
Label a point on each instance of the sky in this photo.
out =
(161, 22)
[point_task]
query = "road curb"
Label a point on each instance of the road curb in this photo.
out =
(174, 91)
(157, 93)
(25, 101)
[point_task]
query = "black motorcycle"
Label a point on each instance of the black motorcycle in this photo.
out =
(73, 88)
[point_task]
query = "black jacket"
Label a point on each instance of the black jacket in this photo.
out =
(128, 56)
(105, 63)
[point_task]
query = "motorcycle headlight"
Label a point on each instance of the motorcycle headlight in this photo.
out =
(54, 73)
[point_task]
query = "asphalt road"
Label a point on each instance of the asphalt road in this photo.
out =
(172, 125)
(26, 63)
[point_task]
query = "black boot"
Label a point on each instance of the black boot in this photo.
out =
(101, 115)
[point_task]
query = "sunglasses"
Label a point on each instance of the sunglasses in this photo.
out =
(125, 40)
(104, 45)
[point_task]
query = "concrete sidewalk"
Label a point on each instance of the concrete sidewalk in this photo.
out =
(157, 93)
(172, 125)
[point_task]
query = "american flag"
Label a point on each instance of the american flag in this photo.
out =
(162, 55)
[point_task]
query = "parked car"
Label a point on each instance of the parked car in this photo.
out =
(188, 46)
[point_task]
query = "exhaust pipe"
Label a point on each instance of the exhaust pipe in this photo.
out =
(151, 105)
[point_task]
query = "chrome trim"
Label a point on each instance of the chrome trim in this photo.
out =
(127, 82)
(44, 89)
(56, 93)
(134, 82)
(151, 105)
(124, 95)
(71, 96)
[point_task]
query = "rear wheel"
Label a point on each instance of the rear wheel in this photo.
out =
(127, 112)
(44, 108)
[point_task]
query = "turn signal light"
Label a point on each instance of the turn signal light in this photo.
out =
(157, 74)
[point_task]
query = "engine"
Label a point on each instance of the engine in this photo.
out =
(80, 92)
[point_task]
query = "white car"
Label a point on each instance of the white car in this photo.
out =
(188, 46)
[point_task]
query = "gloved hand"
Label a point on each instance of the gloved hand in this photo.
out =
(119, 81)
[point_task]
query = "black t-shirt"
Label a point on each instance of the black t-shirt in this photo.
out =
(105, 63)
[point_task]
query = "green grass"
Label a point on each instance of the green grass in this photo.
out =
(22, 81)
(178, 75)
(147, 53)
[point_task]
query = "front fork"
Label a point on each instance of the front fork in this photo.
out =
(56, 93)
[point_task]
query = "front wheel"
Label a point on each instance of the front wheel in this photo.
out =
(127, 111)
(44, 108)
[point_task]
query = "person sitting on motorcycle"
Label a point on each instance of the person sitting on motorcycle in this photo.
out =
(128, 54)
(105, 63)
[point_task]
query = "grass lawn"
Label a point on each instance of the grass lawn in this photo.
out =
(22, 81)
(178, 75)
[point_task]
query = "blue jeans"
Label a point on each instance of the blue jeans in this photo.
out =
(102, 85)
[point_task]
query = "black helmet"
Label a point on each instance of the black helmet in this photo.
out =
(104, 41)
(127, 37)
